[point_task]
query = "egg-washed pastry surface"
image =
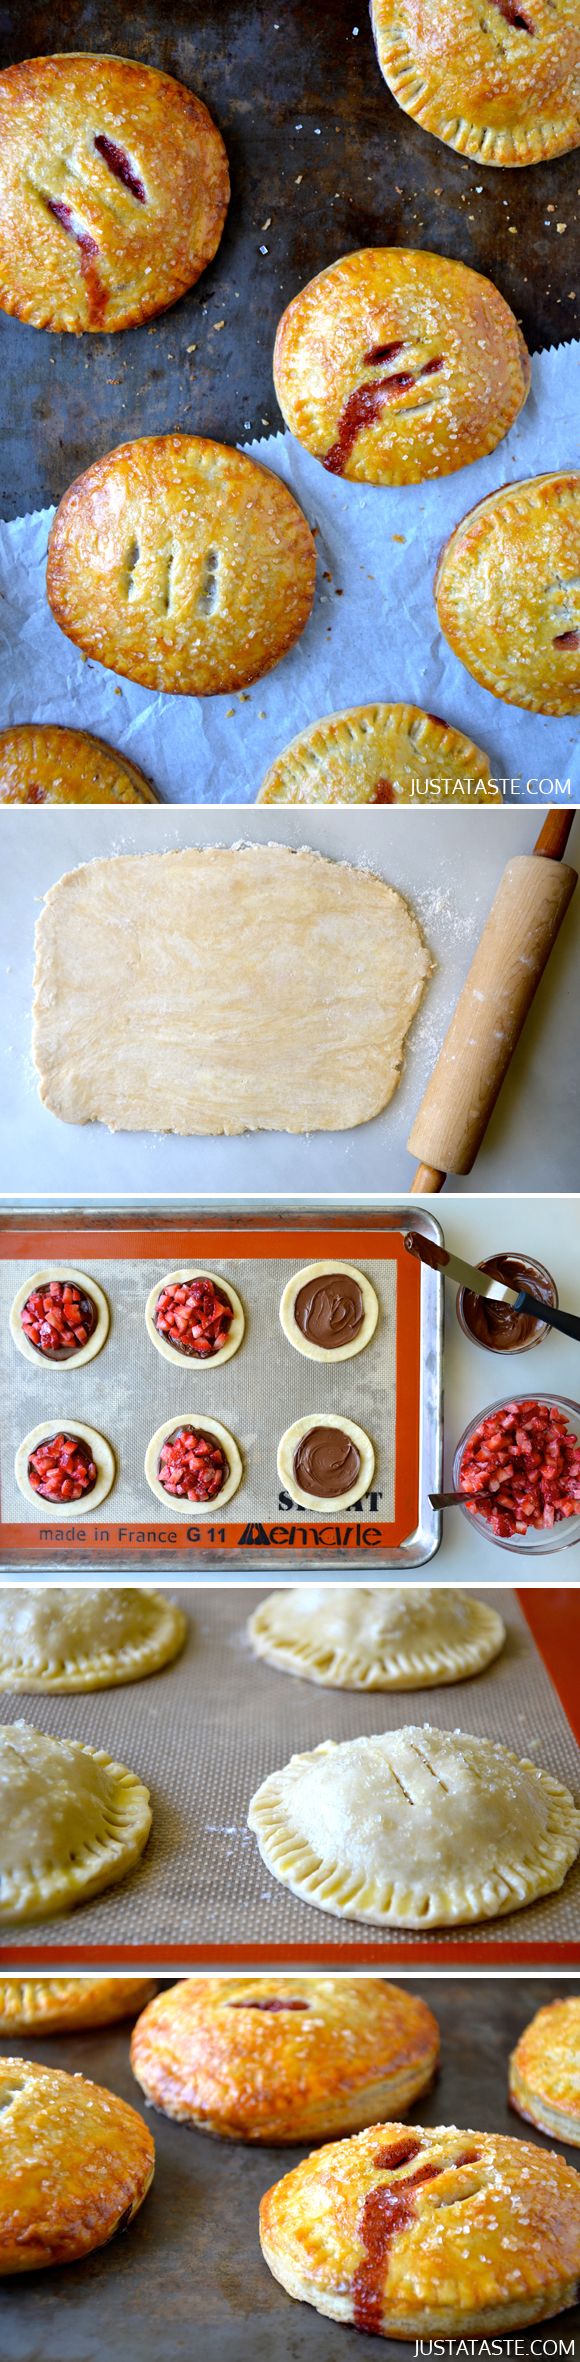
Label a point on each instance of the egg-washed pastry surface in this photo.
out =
(181, 564)
(329, 1310)
(114, 189)
(507, 591)
(354, 1636)
(76, 2164)
(287, 2058)
(83, 1639)
(71, 1822)
(378, 754)
(393, 366)
(258, 1041)
(40, 763)
(544, 2077)
(65, 2005)
(500, 83)
(412, 2232)
(415, 1828)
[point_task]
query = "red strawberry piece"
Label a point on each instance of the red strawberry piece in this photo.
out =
(61, 1468)
(195, 1317)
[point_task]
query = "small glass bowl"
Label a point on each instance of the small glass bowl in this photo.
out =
(538, 1539)
(535, 1275)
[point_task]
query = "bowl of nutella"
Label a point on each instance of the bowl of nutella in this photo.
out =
(498, 1327)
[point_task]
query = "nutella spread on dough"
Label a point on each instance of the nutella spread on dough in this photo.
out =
(329, 1311)
(499, 1326)
(326, 1462)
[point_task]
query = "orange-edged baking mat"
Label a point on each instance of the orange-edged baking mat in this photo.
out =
(392, 1390)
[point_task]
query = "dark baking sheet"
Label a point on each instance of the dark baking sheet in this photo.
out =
(295, 89)
(188, 2278)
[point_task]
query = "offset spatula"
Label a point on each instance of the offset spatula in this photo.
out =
(482, 1283)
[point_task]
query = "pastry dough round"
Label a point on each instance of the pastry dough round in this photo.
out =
(171, 1501)
(102, 1455)
(378, 754)
(352, 1636)
(286, 1454)
(306, 1345)
(138, 173)
(42, 764)
(415, 1828)
(507, 592)
(544, 2080)
(284, 2058)
(85, 1639)
(188, 1360)
(413, 2231)
(181, 564)
(500, 83)
(396, 365)
(65, 2005)
(71, 1822)
(77, 2163)
(42, 1279)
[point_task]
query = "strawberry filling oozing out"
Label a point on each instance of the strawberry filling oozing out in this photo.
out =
(192, 1465)
(195, 1317)
(62, 1468)
(58, 1319)
(525, 1462)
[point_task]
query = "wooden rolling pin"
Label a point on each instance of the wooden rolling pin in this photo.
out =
(519, 935)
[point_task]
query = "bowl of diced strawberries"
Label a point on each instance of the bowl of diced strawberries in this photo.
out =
(518, 1464)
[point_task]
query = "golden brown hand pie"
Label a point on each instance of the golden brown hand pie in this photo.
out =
(507, 591)
(114, 189)
(394, 365)
(544, 2081)
(76, 2165)
(353, 1636)
(411, 2232)
(378, 754)
(65, 2005)
(283, 2058)
(181, 564)
(499, 82)
(85, 1639)
(42, 764)
(71, 1822)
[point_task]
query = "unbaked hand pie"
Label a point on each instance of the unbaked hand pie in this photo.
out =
(195, 1316)
(499, 82)
(181, 564)
(393, 366)
(544, 2079)
(284, 2058)
(379, 754)
(59, 1317)
(66, 2005)
(414, 2232)
(193, 1465)
(415, 1828)
(77, 2163)
(71, 1822)
(352, 1636)
(507, 591)
(114, 190)
(65, 1468)
(43, 764)
(329, 1311)
(325, 1462)
(85, 1639)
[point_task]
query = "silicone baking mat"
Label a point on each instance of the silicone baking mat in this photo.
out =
(129, 1390)
(207, 1731)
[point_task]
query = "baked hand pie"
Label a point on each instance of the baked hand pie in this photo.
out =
(415, 1828)
(501, 83)
(71, 1822)
(65, 1468)
(507, 591)
(544, 2079)
(66, 2005)
(284, 2058)
(379, 754)
(59, 1317)
(77, 2163)
(392, 1637)
(114, 190)
(43, 764)
(181, 564)
(395, 365)
(413, 2232)
(325, 1462)
(85, 1639)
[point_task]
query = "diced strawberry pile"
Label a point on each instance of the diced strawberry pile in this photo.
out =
(58, 1318)
(62, 1468)
(195, 1317)
(192, 1465)
(526, 1460)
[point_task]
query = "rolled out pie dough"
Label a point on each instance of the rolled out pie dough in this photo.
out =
(230, 990)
